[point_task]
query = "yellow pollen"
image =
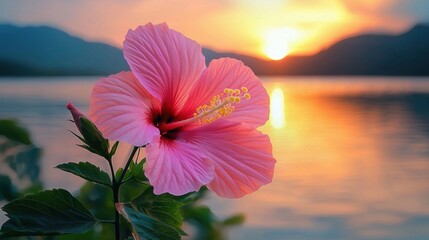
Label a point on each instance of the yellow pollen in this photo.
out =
(220, 105)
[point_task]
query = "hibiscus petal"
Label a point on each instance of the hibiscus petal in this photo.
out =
(176, 167)
(123, 110)
(231, 73)
(242, 156)
(166, 62)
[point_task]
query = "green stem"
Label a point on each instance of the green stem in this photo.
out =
(127, 165)
(116, 184)
(115, 189)
(116, 200)
(112, 171)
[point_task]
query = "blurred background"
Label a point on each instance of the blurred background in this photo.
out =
(349, 88)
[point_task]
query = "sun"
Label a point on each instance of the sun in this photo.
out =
(275, 49)
(277, 43)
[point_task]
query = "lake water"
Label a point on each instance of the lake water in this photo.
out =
(352, 154)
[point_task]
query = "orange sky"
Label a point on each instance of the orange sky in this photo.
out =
(243, 26)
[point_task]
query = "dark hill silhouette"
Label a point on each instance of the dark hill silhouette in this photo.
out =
(49, 51)
(406, 54)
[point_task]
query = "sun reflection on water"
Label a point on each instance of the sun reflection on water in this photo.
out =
(277, 109)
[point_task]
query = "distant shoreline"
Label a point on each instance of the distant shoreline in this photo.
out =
(51, 52)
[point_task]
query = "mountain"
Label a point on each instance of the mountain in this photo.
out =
(404, 54)
(49, 51)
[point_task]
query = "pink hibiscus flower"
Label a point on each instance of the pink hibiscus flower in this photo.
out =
(199, 124)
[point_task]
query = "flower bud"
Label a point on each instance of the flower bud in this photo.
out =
(92, 137)
(77, 114)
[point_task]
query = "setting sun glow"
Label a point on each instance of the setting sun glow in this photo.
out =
(277, 109)
(276, 45)
(278, 42)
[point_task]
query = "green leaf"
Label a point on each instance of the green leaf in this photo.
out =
(87, 171)
(135, 172)
(138, 172)
(7, 190)
(13, 234)
(162, 207)
(80, 138)
(93, 138)
(200, 214)
(51, 212)
(237, 219)
(98, 199)
(128, 174)
(89, 149)
(85, 236)
(26, 162)
(206, 224)
(192, 197)
(114, 148)
(146, 227)
(11, 130)
(131, 190)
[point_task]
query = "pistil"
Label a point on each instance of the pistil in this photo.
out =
(220, 105)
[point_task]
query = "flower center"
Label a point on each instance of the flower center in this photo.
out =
(220, 105)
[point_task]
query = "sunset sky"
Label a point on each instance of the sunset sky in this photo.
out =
(254, 27)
